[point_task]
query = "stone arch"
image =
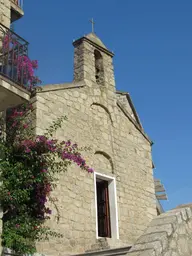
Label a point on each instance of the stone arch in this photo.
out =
(103, 161)
(99, 69)
(105, 109)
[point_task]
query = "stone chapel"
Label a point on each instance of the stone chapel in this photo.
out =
(112, 207)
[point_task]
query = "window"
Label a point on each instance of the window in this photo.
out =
(99, 70)
(103, 211)
(106, 206)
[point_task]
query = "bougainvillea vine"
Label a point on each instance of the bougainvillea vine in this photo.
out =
(28, 164)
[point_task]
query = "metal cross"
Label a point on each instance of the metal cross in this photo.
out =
(93, 23)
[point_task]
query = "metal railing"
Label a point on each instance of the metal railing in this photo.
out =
(13, 53)
(18, 3)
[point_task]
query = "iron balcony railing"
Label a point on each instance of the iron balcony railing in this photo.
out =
(19, 3)
(13, 53)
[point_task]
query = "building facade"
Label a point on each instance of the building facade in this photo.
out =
(114, 205)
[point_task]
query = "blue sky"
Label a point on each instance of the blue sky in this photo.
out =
(152, 41)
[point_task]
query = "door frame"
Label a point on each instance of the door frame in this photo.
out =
(112, 204)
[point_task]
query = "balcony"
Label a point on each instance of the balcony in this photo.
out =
(13, 49)
(16, 9)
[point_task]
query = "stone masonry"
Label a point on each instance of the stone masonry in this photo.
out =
(5, 13)
(5, 18)
(104, 119)
(169, 234)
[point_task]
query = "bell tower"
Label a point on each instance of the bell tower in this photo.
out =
(93, 62)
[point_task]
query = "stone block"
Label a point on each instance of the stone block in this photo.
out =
(161, 228)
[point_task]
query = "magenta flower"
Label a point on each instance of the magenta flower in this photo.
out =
(90, 170)
(25, 126)
(27, 150)
(44, 170)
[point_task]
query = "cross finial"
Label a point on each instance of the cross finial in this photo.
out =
(93, 23)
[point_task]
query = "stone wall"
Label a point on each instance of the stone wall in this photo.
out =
(5, 12)
(118, 149)
(169, 234)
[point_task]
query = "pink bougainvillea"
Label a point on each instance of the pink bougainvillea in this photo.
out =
(26, 71)
(28, 168)
(15, 56)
